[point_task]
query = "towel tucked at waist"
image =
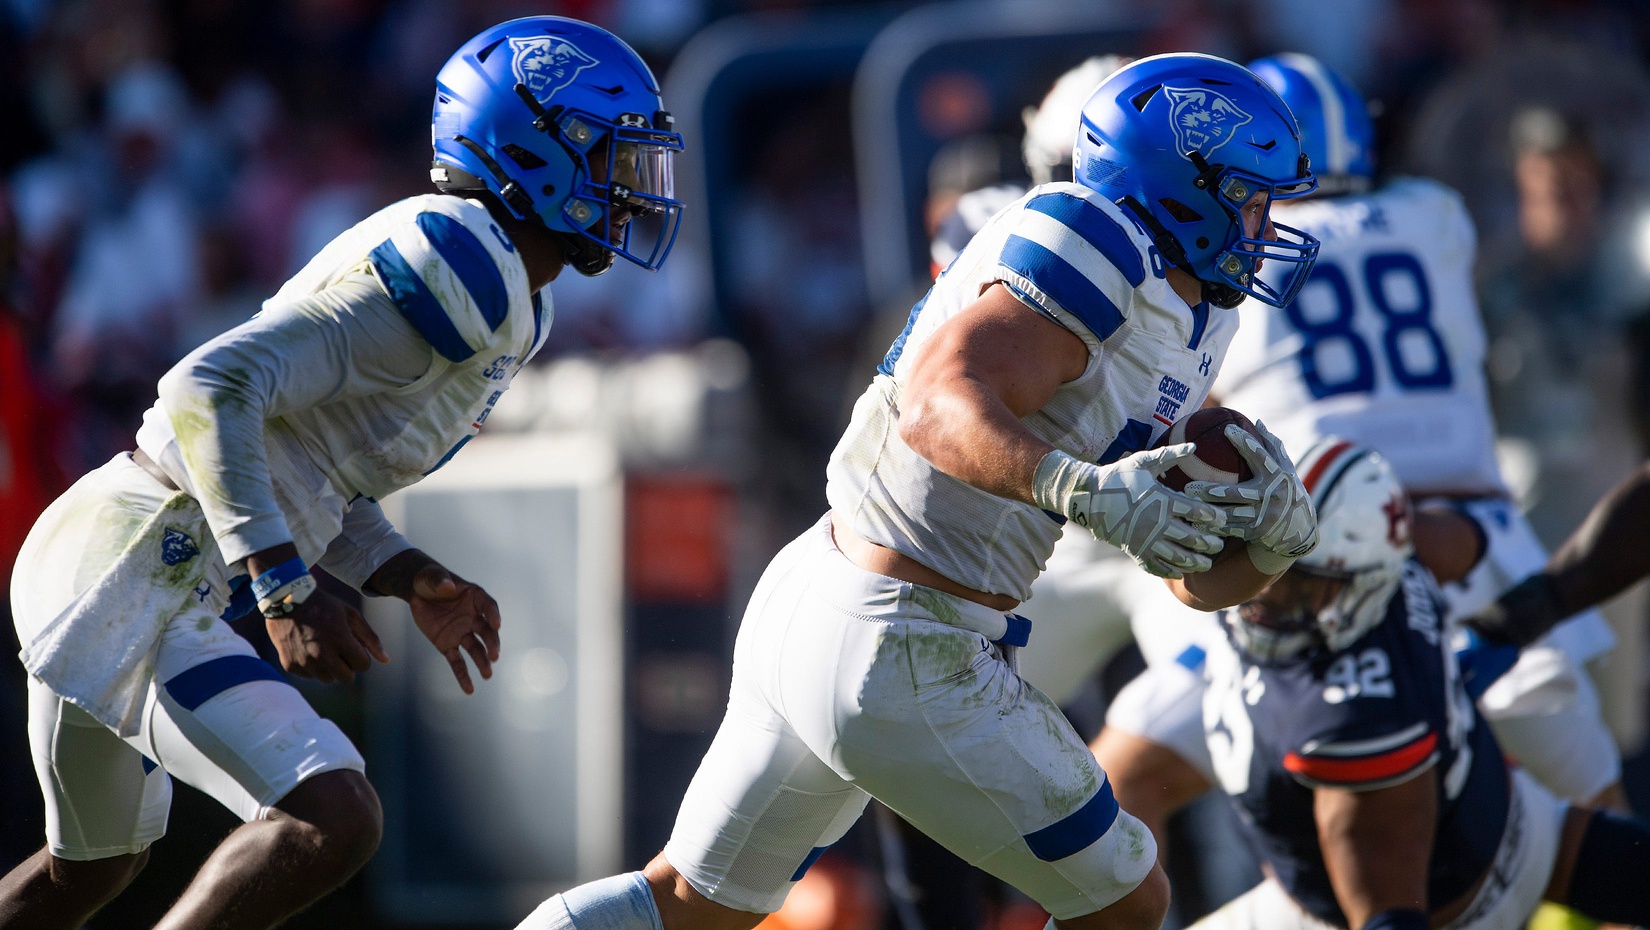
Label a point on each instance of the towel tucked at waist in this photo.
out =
(99, 652)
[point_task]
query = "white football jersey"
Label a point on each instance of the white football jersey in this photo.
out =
(334, 428)
(1072, 255)
(1384, 345)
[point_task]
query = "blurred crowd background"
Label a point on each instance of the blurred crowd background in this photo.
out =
(166, 164)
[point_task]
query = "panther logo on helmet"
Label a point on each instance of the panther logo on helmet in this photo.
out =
(546, 64)
(1203, 120)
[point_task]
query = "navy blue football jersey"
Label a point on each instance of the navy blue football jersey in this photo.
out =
(1388, 708)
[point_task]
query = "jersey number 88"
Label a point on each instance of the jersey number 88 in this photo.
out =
(1402, 325)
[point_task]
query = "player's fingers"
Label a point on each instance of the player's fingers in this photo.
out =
(350, 656)
(1154, 566)
(1251, 450)
(455, 660)
(367, 637)
(478, 655)
(489, 638)
(1158, 461)
(1193, 538)
(1193, 510)
(1218, 493)
(1274, 445)
(1180, 558)
(489, 612)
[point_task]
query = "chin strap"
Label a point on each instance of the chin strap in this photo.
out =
(584, 255)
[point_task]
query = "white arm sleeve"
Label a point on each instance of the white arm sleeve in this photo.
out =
(346, 341)
(366, 542)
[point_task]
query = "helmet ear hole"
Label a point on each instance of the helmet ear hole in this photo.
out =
(1181, 212)
(527, 160)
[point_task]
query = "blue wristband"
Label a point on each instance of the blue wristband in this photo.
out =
(1397, 918)
(279, 576)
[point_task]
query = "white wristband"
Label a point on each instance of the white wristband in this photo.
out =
(1057, 478)
(1266, 561)
(285, 599)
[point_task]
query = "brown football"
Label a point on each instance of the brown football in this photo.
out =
(1217, 459)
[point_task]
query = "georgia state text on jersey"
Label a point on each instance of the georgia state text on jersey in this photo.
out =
(459, 282)
(1075, 257)
(1384, 345)
(1388, 708)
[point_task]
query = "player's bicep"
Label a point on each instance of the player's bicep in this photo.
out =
(999, 344)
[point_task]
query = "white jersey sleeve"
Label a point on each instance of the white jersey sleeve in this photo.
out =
(348, 341)
(1384, 345)
(366, 371)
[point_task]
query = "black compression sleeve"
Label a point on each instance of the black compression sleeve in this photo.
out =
(1522, 615)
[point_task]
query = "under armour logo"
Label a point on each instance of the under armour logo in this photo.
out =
(1203, 369)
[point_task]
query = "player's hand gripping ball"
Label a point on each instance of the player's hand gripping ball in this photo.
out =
(1217, 461)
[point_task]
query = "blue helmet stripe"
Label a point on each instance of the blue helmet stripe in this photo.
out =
(1055, 277)
(894, 351)
(1096, 228)
(413, 298)
(471, 261)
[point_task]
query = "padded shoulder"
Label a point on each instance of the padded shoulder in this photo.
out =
(452, 272)
(1067, 248)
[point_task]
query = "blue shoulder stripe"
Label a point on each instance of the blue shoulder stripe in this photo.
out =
(1055, 277)
(1096, 228)
(471, 261)
(417, 304)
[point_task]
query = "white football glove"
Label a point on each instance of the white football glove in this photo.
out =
(1124, 504)
(1271, 511)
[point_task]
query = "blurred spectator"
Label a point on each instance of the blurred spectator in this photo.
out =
(135, 271)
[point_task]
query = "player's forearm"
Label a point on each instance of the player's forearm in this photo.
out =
(1599, 560)
(1606, 554)
(967, 432)
(1234, 579)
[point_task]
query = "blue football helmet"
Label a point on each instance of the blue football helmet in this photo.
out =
(562, 121)
(1182, 142)
(1336, 131)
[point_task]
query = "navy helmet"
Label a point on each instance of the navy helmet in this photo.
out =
(1183, 142)
(1336, 131)
(562, 121)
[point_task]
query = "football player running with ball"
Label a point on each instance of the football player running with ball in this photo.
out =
(1342, 729)
(875, 658)
(1385, 347)
(265, 455)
